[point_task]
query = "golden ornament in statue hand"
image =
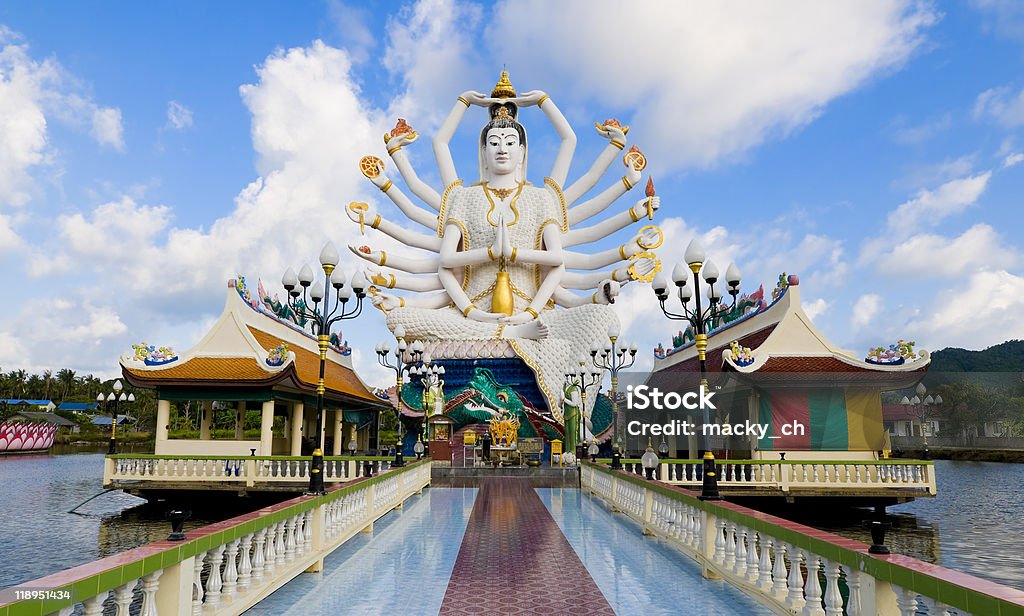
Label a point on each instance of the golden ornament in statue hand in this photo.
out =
(370, 166)
(635, 158)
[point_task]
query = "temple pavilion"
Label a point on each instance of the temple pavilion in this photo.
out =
(769, 364)
(257, 358)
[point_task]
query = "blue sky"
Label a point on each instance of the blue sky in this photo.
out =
(150, 150)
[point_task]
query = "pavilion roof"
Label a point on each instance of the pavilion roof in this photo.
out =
(782, 340)
(237, 352)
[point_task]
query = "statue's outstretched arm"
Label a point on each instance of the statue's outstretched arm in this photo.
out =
(415, 214)
(563, 159)
(367, 215)
(616, 141)
(411, 265)
(578, 260)
(552, 254)
(388, 302)
(604, 293)
(419, 188)
(445, 164)
(449, 246)
(406, 282)
(643, 266)
(598, 204)
(605, 228)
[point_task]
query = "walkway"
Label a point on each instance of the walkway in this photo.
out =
(506, 548)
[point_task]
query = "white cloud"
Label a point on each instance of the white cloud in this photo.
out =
(928, 255)
(179, 116)
(865, 309)
(816, 308)
(919, 133)
(986, 311)
(740, 73)
(1002, 105)
(106, 127)
(31, 93)
(929, 207)
(1012, 160)
(9, 239)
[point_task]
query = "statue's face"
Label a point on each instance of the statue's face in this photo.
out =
(502, 151)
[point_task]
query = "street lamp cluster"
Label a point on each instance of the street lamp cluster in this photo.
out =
(113, 400)
(616, 355)
(922, 409)
(321, 318)
(700, 317)
(582, 378)
(411, 360)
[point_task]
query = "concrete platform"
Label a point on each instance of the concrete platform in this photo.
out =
(472, 476)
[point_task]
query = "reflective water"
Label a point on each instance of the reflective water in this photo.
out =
(972, 525)
(37, 534)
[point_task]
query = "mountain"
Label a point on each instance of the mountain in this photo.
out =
(1005, 357)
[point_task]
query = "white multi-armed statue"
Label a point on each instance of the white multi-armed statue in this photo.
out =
(495, 281)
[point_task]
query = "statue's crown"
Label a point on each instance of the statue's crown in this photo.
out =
(503, 89)
(503, 112)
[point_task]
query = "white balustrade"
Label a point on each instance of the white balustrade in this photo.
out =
(788, 578)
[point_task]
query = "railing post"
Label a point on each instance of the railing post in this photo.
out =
(785, 476)
(648, 511)
(930, 471)
(614, 495)
(710, 535)
(174, 595)
(319, 537)
(250, 472)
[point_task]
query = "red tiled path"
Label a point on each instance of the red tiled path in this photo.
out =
(515, 560)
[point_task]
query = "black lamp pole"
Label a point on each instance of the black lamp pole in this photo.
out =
(406, 358)
(113, 400)
(321, 319)
(613, 357)
(700, 318)
(583, 378)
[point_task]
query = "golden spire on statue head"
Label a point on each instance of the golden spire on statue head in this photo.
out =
(503, 89)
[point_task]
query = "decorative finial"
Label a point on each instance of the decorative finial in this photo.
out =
(503, 89)
(650, 187)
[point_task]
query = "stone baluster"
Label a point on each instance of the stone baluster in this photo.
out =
(230, 568)
(259, 562)
(270, 551)
(245, 565)
(279, 545)
(289, 541)
(833, 598)
(307, 531)
(740, 565)
(93, 606)
(795, 597)
(150, 584)
(719, 554)
(764, 580)
(123, 596)
(812, 588)
(197, 584)
(906, 601)
(730, 546)
(753, 566)
(215, 582)
(855, 604)
(779, 572)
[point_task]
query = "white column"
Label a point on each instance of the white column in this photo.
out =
(266, 429)
(207, 420)
(240, 421)
(339, 418)
(295, 421)
(163, 423)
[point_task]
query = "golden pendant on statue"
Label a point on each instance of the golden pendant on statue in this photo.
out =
(501, 193)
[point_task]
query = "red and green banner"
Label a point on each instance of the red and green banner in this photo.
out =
(823, 419)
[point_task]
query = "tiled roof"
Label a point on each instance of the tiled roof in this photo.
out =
(307, 365)
(208, 369)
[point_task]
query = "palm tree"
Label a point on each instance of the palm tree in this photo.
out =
(67, 378)
(48, 381)
(19, 378)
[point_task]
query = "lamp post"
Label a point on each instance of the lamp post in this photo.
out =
(429, 375)
(322, 318)
(922, 409)
(614, 356)
(649, 461)
(701, 318)
(113, 400)
(400, 366)
(583, 378)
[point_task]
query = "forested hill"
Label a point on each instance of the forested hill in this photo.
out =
(1005, 357)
